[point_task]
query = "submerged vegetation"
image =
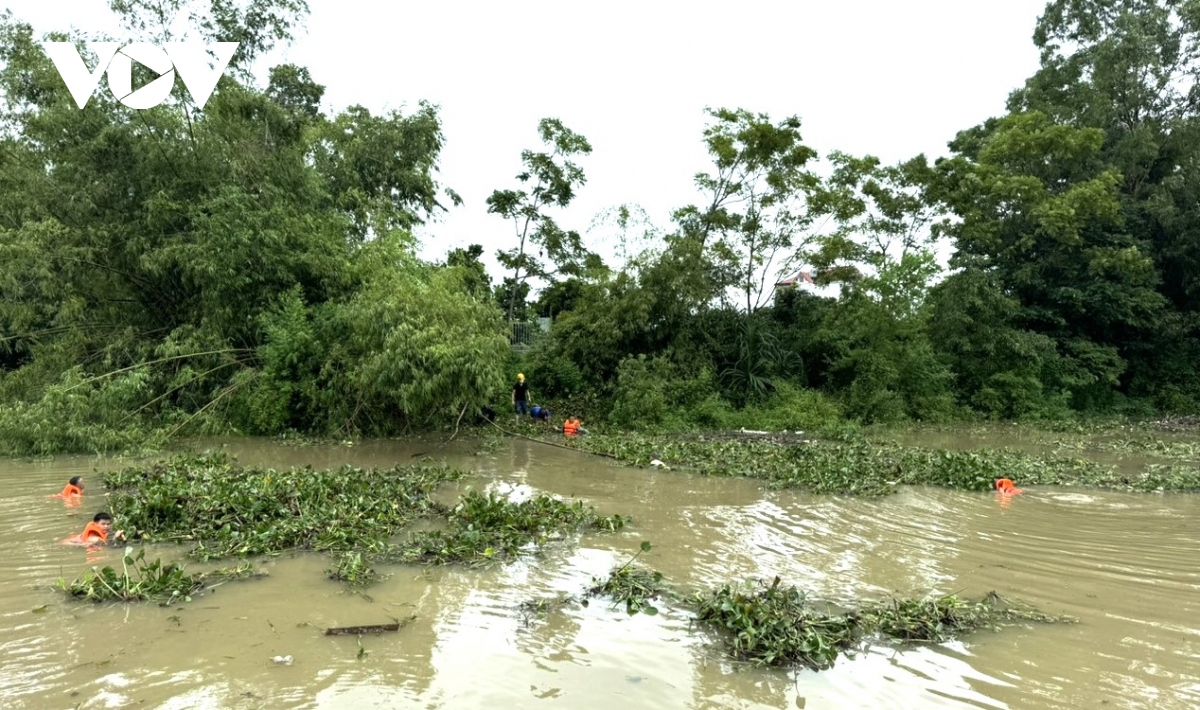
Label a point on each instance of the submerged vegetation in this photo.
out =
(863, 467)
(780, 626)
(484, 528)
(229, 510)
(634, 587)
(354, 569)
(139, 580)
(772, 625)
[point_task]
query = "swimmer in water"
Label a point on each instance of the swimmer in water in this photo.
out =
(1007, 487)
(73, 488)
(97, 531)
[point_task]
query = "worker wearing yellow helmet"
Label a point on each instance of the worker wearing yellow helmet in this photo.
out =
(520, 397)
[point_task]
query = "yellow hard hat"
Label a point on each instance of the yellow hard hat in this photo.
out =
(520, 375)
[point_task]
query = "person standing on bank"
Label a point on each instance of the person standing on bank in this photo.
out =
(520, 397)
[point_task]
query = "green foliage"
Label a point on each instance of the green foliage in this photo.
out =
(475, 278)
(749, 376)
(556, 376)
(257, 25)
(232, 510)
(883, 366)
(790, 409)
(482, 529)
(860, 467)
(756, 199)
(410, 347)
(554, 180)
(354, 568)
(771, 625)
(775, 626)
(1001, 370)
(632, 586)
(653, 394)
(243, 265)
(79, 415)
(249, 267)
(513, 297)
(138, 580)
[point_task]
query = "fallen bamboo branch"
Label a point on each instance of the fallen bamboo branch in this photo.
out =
(356, 630)
(368, 629)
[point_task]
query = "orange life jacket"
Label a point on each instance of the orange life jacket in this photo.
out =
(71, 490)
(1005, 485)
(93, 529)
(571, 427)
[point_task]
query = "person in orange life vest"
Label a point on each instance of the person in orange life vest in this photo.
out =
(97, 530)
(73, 488)
(1007, 487)
(573, 426)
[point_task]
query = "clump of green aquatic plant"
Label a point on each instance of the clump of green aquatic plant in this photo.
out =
(944, 618)
(231, 510)
(139, 580)
(489, 445)
(776, 626)
(487, 528)
(243, 570)
(354, 568)
(866, 468)
(538, 609)
(633, 586)
(773, 625)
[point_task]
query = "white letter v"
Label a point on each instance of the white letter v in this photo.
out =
(191, 61)
(80, 82)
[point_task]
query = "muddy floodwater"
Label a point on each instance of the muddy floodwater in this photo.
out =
(1127, 565)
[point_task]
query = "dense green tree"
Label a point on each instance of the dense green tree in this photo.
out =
(1001, 369)
(1040, 207)
(148, 256)
(559, 297)
(514, 298)
(880, 253)
(1129, 69)
(475, 276)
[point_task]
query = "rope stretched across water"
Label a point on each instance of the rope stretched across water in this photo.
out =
(517, 434)
(551, 443)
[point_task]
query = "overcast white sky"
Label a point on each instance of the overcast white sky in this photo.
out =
(888, 78)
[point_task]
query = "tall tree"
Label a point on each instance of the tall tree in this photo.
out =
(881, 251)
(554, 179)
(755, 199)
(882, 223)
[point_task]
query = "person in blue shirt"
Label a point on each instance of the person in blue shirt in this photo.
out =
(539, 413)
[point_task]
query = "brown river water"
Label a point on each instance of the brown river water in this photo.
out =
(1126, 565)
